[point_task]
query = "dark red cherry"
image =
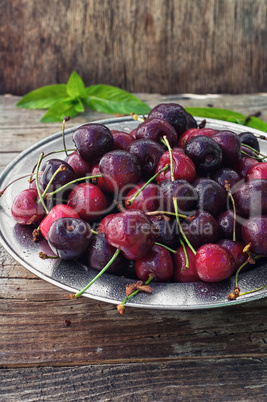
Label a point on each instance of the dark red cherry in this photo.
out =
(224, 175)
(147, 200)
(243, 165)
(25, 209)
(88, 201)
(69, 237)
(80, 167)
(92, 141)
(122, 140)
(103, 224)
(251, 198)
(249, 139)
(254, 232)
(101, 252)
(57, 212)
(148, 152)
(100, 181)
(214, 263)
(119, 169)
(183, 167)
(174, 114)
(230, 145)
(258, 171)
(158, 262)
(131, 232)
(168, 230)
(236, 249)
(187, 196)
(155, 129)
(192, 132)
(183, 273)
(202, 229)
(204, 152)
(225, 222)
(211, 195)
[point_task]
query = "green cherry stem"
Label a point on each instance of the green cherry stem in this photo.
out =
(165, 141)
(167, 248)
(255, 150)
(167, 213)
(228, 189)
(78, 294)
(59, 169)
(121, 306)
(14, 181)
(72, 182)
(186, 255)
(128, 203)
(180, 226)
(252, 291)
(38, 185)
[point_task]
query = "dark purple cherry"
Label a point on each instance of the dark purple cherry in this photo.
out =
(122, 140)
(101, 252)
(250, 139)
(93, 141)
(155, 129)
(244, 164)
(254, 232)
(202, 229)
(174, 114)
(211, 195)
(236, 249)
(148, 153)
(187, 196)
(168, 230)
(224, 175)
(204, 152)
(225, 222)
(119, 169)
(230, 145)
(69, 237)
(251, 198)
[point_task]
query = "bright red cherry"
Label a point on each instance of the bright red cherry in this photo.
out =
(258, 171)
(147, 200)
(214, 263)
(183, 273)
(25, 209)
(183, 167)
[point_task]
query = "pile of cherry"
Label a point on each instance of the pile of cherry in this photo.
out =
(169, 201)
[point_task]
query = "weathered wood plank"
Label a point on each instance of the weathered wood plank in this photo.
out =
(150, 46)
(222, 379)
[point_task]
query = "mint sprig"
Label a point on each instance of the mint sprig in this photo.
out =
(69, 99)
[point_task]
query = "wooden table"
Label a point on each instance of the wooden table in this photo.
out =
(143, 355)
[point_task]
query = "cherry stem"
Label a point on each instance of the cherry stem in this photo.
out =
(180, 226)
(252, 291)
(72, 182)
(78, 294)
(136, 117)
(37, 183)
(66, 118)
(185, 254)
(228, 189)
(129, 202)
(14, 181)
(167, 248)
(167, 213)
(59, 169)
(151, 277)
(165, 141)
(255, 150)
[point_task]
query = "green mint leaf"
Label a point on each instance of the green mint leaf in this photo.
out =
(44, 97)
(109, 99)
(219, 114)
(78, 106)
(254, 122)
(60, 109)
(75, 86)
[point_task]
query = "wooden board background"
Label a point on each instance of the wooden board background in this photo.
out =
(165, 46)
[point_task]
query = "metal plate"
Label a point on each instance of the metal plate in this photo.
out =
(73, 276)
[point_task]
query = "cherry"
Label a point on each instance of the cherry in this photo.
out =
(244, 164)
(249, 139)
(93, 141)
(103, 224)
(131, 232)
(245, 151)
(183, 167)
(211, 195)
(158, 262)
(147, 200)
(100, 181)
(58, 211)
(224, 175)
(155, 129)
(168, 230)
(100, 253)
(184, 268)
(230, 145)
(122, 140)
(192, 132)
(69, 237)
(214, 263)
(25, 209)
(148, 152)
(174, 114)
(202, 229)
(119, 169)
(88, 200)
(204, 152)
(257, 171)
(254, 232)
(80, 167)
(236, 249)
(251, 198)
(186, 194)
(225, 221)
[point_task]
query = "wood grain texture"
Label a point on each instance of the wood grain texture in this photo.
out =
(166, 46)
